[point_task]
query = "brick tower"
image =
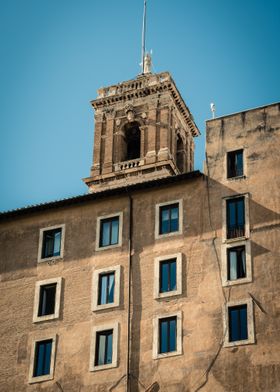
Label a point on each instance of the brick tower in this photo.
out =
(143, 130)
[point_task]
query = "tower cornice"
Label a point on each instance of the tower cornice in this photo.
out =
(141, 87)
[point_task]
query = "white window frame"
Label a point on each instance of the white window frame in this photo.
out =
(54, 315)
(157, 262)
(98, 226)
(40, 247)
(244, 164)
(104, 327)
(95, 287)
(247, 218)
(224, 250)
(50, 376)
(157, 219)
(179, 351)
(250, 323)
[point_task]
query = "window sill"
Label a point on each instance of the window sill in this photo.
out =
(237, 281)
(168, 294)
(100, 248)
(243, 177)
(166, 235)
(49, 317)
(34, 380)
(167, 355)
(50, 259)
(236, 239)
(97, 308)
(103, 367)
(239, 343)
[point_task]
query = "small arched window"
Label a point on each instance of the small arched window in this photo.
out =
(180, 154)
(131, 145)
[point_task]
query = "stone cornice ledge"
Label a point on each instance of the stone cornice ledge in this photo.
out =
(142, 86)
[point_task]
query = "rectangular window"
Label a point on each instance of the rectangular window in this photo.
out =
(235, 217)
(106, 286)
(104, 348)
(109, 231)
(167, 335)
(167, 275)
(47, 299)
(169, 218)
(235, 163)
(51, 243)
(236, 261)
(42, 359)
(237, 318)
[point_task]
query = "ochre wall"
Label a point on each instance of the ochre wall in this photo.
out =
(245, 368)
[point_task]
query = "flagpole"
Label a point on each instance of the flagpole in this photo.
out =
(144, 35)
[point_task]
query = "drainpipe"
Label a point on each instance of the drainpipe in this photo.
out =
(130, 251)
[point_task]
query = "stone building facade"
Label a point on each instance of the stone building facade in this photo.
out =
(161, 278)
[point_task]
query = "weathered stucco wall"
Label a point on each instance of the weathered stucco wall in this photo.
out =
(204, 361)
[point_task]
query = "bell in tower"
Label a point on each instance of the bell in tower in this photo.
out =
(143, 131)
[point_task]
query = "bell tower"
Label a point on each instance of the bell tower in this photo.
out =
(143, 131)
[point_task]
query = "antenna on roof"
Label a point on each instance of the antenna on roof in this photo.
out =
(144, 38)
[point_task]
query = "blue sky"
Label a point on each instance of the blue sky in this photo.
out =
(55, 54)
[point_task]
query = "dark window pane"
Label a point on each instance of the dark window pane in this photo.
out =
(239, 163)
(109, 232)
(235, 163)
(235, 218)
(164, 272)
(51, 243)
(163, 336)
(105, 233)
(42, 361)
(174, 219)
(102, 289)
(167, 335)
(104, 347)
(238, 329)
(172, 266)
(165, 221)
(243, 323)
(169, 219)
(109, 353)
(111, 287)
(172, 335)
(115, 231)
(167, 275)
(236, 263)
(47, 299)
(106, 288)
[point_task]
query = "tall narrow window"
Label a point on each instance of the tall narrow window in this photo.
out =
(104, 347)
(169, 218)
(237, 318)
(167, 275)
(180, 154)
(47, 299)
(167, 335)
(236, 258)
(132, 141)
(235, 217)
(235, 163)
(51, 243)
(109, 231)
(106, 288)
(42, 359)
